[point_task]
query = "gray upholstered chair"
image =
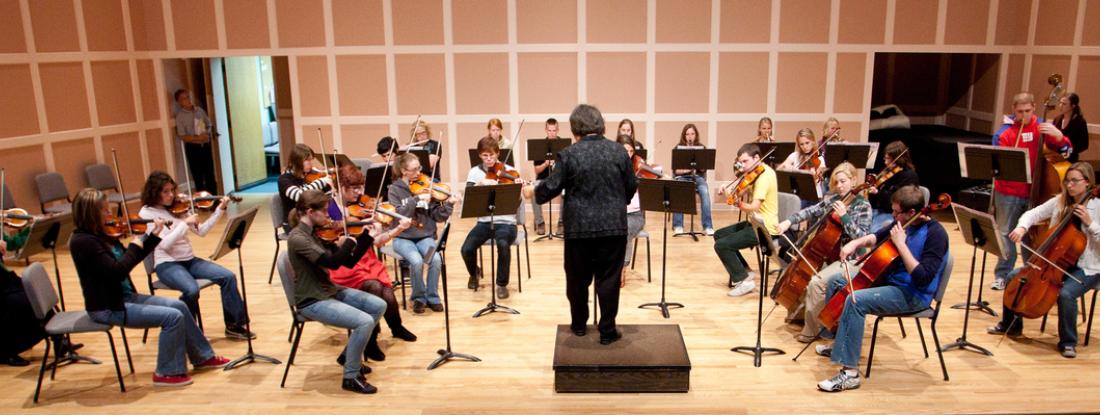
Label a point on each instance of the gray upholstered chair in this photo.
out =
(53, 192)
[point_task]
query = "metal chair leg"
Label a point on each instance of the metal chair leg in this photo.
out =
(871, 354)
(920, 331)
(902, 326)
(42, 372)
(519, 268)
(293, 352)
(118, 370)
(634, 253)
(126, 345)
(1092, 310)
(648, 262)
(271, 274)
(939, 349)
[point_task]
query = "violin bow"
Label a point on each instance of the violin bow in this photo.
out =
(393, 149)
(340, 196)
(3, 207)
(438, 152)
(118, 179)
(186, 176)
(737, 179)
(848, 275)
(515, 137)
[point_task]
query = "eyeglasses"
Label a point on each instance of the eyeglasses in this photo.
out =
(1071, 182)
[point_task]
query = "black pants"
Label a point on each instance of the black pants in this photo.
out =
(200, 158)
(393, 311)
(22, 329)
(505, 235)
(599, 259)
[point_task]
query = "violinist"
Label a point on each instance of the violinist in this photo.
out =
(542, 171)
(856, 221)
(502, 230)
(368, 274)
(495, 129)
(764, 131)
(422, 140)
(1078, 182)
(1010, 199)
(910, 283)
(626, 127)
(293, 181)
(635, 216)
(103, 265)
(764, 202)
(830, 133)
(415, 242)
(805, 158)
(689, 138)
(175, 260)
(317, 298)
(895, 156)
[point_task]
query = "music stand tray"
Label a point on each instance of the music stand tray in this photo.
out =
(667, 196)
(376, 176)
(798, 183)
(509, 158)
(861, 155)
(425, 162)
(781, 149)
(491, 201)
(985, 162)
(695, 158)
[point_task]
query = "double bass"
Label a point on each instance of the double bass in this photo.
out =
(1050, 168)
(875, 264)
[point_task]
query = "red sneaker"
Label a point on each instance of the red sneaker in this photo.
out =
(212, 363)
(171, 380)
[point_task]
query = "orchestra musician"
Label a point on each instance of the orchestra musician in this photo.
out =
(1072, 124)
(293, 181)
(422, 140)
(764, 131)
(635, 216)
(763, 202)
(1078, 182)
(689, 138)
(805, 158)
(542, 171)
(626, 127)
(910, 283)
(502, 229)
(896, 156)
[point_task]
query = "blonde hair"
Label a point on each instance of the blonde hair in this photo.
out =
(845, 168)
(421, 124)
(805, 133)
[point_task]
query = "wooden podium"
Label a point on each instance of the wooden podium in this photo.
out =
(649, 358)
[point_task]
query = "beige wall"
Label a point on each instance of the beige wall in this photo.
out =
(91, 71)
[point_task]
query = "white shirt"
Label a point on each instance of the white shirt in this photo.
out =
(1090, 259)
(174, 245)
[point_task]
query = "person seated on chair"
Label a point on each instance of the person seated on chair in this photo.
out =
(635, 216)
(690, 139)
(293, 181)
(503, 227)
(803, 159)
(896, 154)
(103, 266)
(855, 219)
(176, 263)
(368, 274)
(21, 327)
(908, 284)
(1086, 275)
(317, 298)
(417, 241)
(729, 241)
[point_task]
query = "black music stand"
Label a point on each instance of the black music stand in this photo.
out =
(694, 158)
(986, 162)
(508, 157)
(767, 249)
(668, 197)
(500, 199)
(798, 183)
(641, 152)
(44, 235)
(423, 155)
(541, 149)
(777, 150)
(231, 240)
(446, 355)
(861, 155)
(375, 177)
(980, 231)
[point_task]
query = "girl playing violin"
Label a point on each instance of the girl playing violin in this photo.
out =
(896, 154)
(805, 158)
(764, 131)
(830, 132)
(422, 140)
(103, 266)
(368, 274)
(503, 227)
(764, 204)
(293, 181)
(856, 220)
(175, 260)
(635, 217)
(689, 137)
(415, 242)
(1075, 187)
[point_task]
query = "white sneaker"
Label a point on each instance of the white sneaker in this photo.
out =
(709, 231)
(742, 288)
(824, 350)
(998, 284)
(842, 381)
(678, 229)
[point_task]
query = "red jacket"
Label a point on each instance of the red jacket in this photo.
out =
(1027, 139)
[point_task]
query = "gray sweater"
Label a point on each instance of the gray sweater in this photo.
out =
(404, 203)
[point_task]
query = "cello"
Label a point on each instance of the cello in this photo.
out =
(875, 264)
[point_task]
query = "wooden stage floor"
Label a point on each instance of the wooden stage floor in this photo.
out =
(516, 376)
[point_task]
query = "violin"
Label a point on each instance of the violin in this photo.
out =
(875, 264)
(314, 175)
(747, 180)
(386, 214)
(16, 217)
(201, 199)
(502, 174)
(423, 183)
(644, 170)
(136, 225)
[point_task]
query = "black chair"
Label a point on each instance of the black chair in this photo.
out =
(278, 217)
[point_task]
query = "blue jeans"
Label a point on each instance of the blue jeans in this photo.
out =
(704, 202)
(1067, 306)
(880, 220)
(350, 309)
(413, 252)
(887, 299)
(505, 235)
(178, 332)
(1008, 210)
(181, 275)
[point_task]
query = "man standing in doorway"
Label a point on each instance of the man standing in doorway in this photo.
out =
(195, 130)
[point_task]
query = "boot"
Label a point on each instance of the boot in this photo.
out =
(373, 352)
(403, 333)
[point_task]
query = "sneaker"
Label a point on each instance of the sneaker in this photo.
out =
(540, 229)
(1069, 352)
(742, 288)
(502, 292)
(802, 338)
(363, 368)
(418, 307)
(239, 333)
(709, 231)
(436, 307)
(842, 381)
(403, 333)
(677, 229)
(212, 363)
(824, 350)
(998, 284)
(172, 381)
(358, 385)
(999, 330)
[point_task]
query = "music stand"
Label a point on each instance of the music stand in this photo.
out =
(861, 155)
(641, 152)
(694, 158)
(978, 229)
(767, 248)
(425, 161)
(446, 355)
(777, 150)
(506, 157)
(231, 240)
(798, 183)
(541, 149)
(491, 201)
(667, 196)
(376, 176)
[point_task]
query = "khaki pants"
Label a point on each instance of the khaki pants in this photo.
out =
(814, 298)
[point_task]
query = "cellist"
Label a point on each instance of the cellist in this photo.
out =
(1079, 179)
(1010, 199)
(909, 283)
(856, 221)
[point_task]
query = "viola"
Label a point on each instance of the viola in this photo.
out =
(117, 228)
(1035, 289)
(644, 170)
(875, 264)
(386, 214)
(16, 217)
(501, 174)
(423, 183)
(201, 199)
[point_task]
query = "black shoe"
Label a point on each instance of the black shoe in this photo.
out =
(580, 332)
(15, 360)
(403, 333)
(418, 307)
(363, 369)
(502, 292)
(606, 339)
(540, 229)
(436, 307)
(372, 351)
(358, 386)
(472, 283)
(62, 346)
(239, 333)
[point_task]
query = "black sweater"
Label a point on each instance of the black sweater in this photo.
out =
(101, 275)
(881, 201)
(598, 180)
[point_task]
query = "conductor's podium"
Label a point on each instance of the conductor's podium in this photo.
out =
(649, 358)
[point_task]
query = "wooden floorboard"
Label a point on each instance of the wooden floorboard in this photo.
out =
(516, 375)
